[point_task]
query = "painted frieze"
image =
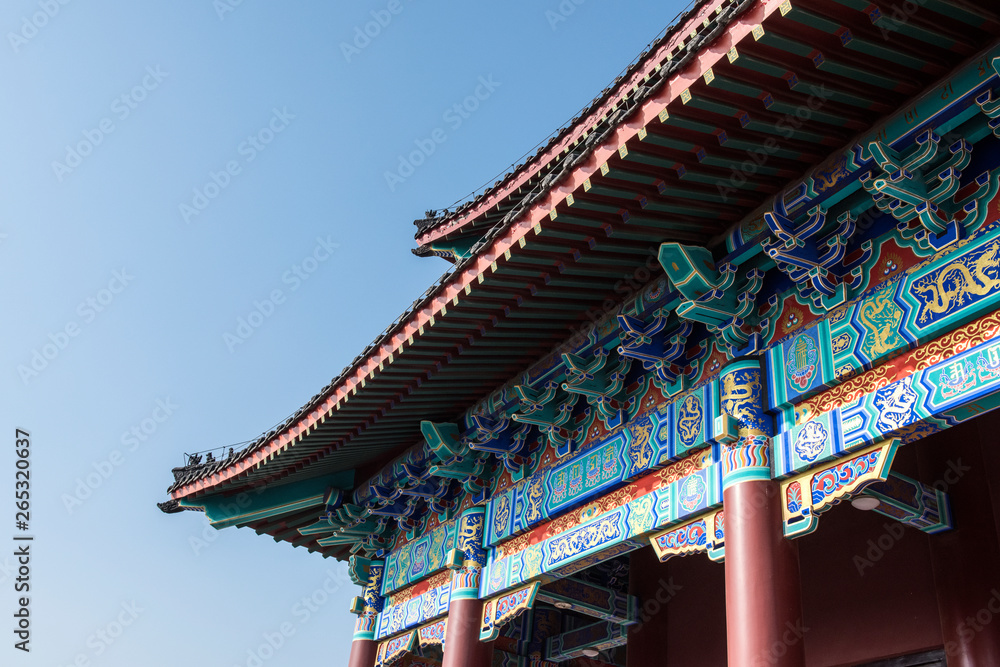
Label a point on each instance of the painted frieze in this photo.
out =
(415, 606)
(655, 437)
(927, 300)
(941, 383)
(616, 524)
(420, 558)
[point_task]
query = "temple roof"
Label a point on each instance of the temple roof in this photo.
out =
(660, 156)
(496, 203)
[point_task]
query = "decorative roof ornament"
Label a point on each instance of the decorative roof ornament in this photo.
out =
(812, 257)
(723, 298)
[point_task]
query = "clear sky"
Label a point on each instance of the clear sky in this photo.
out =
(169, 167)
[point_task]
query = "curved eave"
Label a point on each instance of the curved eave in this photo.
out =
(534, 280)
(525, 175)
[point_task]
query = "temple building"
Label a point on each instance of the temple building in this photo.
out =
(709, 381)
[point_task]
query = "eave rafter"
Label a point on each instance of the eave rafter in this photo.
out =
(576, 137)
(654, 177)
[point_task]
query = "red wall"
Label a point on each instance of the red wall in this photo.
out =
(690, 629)
(862, 603)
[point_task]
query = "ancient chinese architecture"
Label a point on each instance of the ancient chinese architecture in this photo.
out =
(708, 381)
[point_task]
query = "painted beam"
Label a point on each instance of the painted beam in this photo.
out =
(939, 384)
(240, 509)
(579, 642)
(408, 610)
(589, 599)
(420, 558)
(565, 546)
(913, 503)
(672, 430)
(954, 288)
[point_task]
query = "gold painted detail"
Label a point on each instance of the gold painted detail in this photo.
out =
(978, 331)
(880, 317)
(949, 288)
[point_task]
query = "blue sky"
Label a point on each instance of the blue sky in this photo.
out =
(169, 168)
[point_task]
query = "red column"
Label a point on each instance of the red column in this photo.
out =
(364, 648)
(462, 647)
(966, 560)
(763, 598)
(363, 653)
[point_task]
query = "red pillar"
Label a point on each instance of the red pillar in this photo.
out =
(966, 560)
(462, 647)
(763, 598)
(363, 653)
(364, 648)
